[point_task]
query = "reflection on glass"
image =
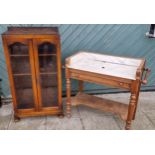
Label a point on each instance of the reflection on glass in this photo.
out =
(19, 57)
(47, 57)
(18, 49)
(47, 64)
(20, 65)
(49, 90)
(47, 48)
(48, 76)
(24, 92)
(21, 70)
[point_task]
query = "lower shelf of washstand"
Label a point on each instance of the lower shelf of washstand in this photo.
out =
(101, 104)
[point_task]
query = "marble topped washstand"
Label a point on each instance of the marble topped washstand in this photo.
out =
(119, 72)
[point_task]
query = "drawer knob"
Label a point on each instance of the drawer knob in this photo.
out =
(121, 83)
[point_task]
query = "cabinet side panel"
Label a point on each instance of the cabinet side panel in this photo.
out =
(59, 68)
(6, 53)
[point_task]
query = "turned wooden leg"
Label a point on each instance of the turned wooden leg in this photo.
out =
(131, 111)
(68, 99)
(137, 97)
(16, 118)
(80, 85)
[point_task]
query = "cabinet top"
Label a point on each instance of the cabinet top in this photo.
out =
(31, 30)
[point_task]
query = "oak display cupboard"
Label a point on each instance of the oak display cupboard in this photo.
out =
(34, 66)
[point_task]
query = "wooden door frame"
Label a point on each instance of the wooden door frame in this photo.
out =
(7, 41)
(55, 40)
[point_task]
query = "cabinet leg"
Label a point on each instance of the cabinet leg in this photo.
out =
(131, 111)
(61, 115)
(16, 118)
(68, 99)
(134, 115)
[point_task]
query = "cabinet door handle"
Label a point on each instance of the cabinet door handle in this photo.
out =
(121, 83)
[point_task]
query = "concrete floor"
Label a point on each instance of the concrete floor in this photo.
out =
(86, 118)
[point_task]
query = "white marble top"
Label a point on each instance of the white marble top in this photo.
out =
(105, 64)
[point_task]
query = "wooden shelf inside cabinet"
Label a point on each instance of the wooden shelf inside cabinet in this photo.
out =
(54, 73)
(47, 55)
(19, 55)
(22, 74)
(33, 59)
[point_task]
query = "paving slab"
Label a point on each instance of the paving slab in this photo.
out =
(55, 123)
(150, 113)
(147, 104)
(140, 123)
(5, 116)
(100, 123)
(29, 123)
(86, 118)
(97, 120)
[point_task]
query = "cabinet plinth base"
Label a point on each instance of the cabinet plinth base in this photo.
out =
(16, 118)
(61, 115)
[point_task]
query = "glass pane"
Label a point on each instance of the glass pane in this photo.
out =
(18, 49)
(20, 64)
(47, 64)
(19, 57)
(21, 70)
(48, 74)
(47, 48)
(24, 92)
(49, 90)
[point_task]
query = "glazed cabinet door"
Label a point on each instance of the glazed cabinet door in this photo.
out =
(47, 62)
(20, 62)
